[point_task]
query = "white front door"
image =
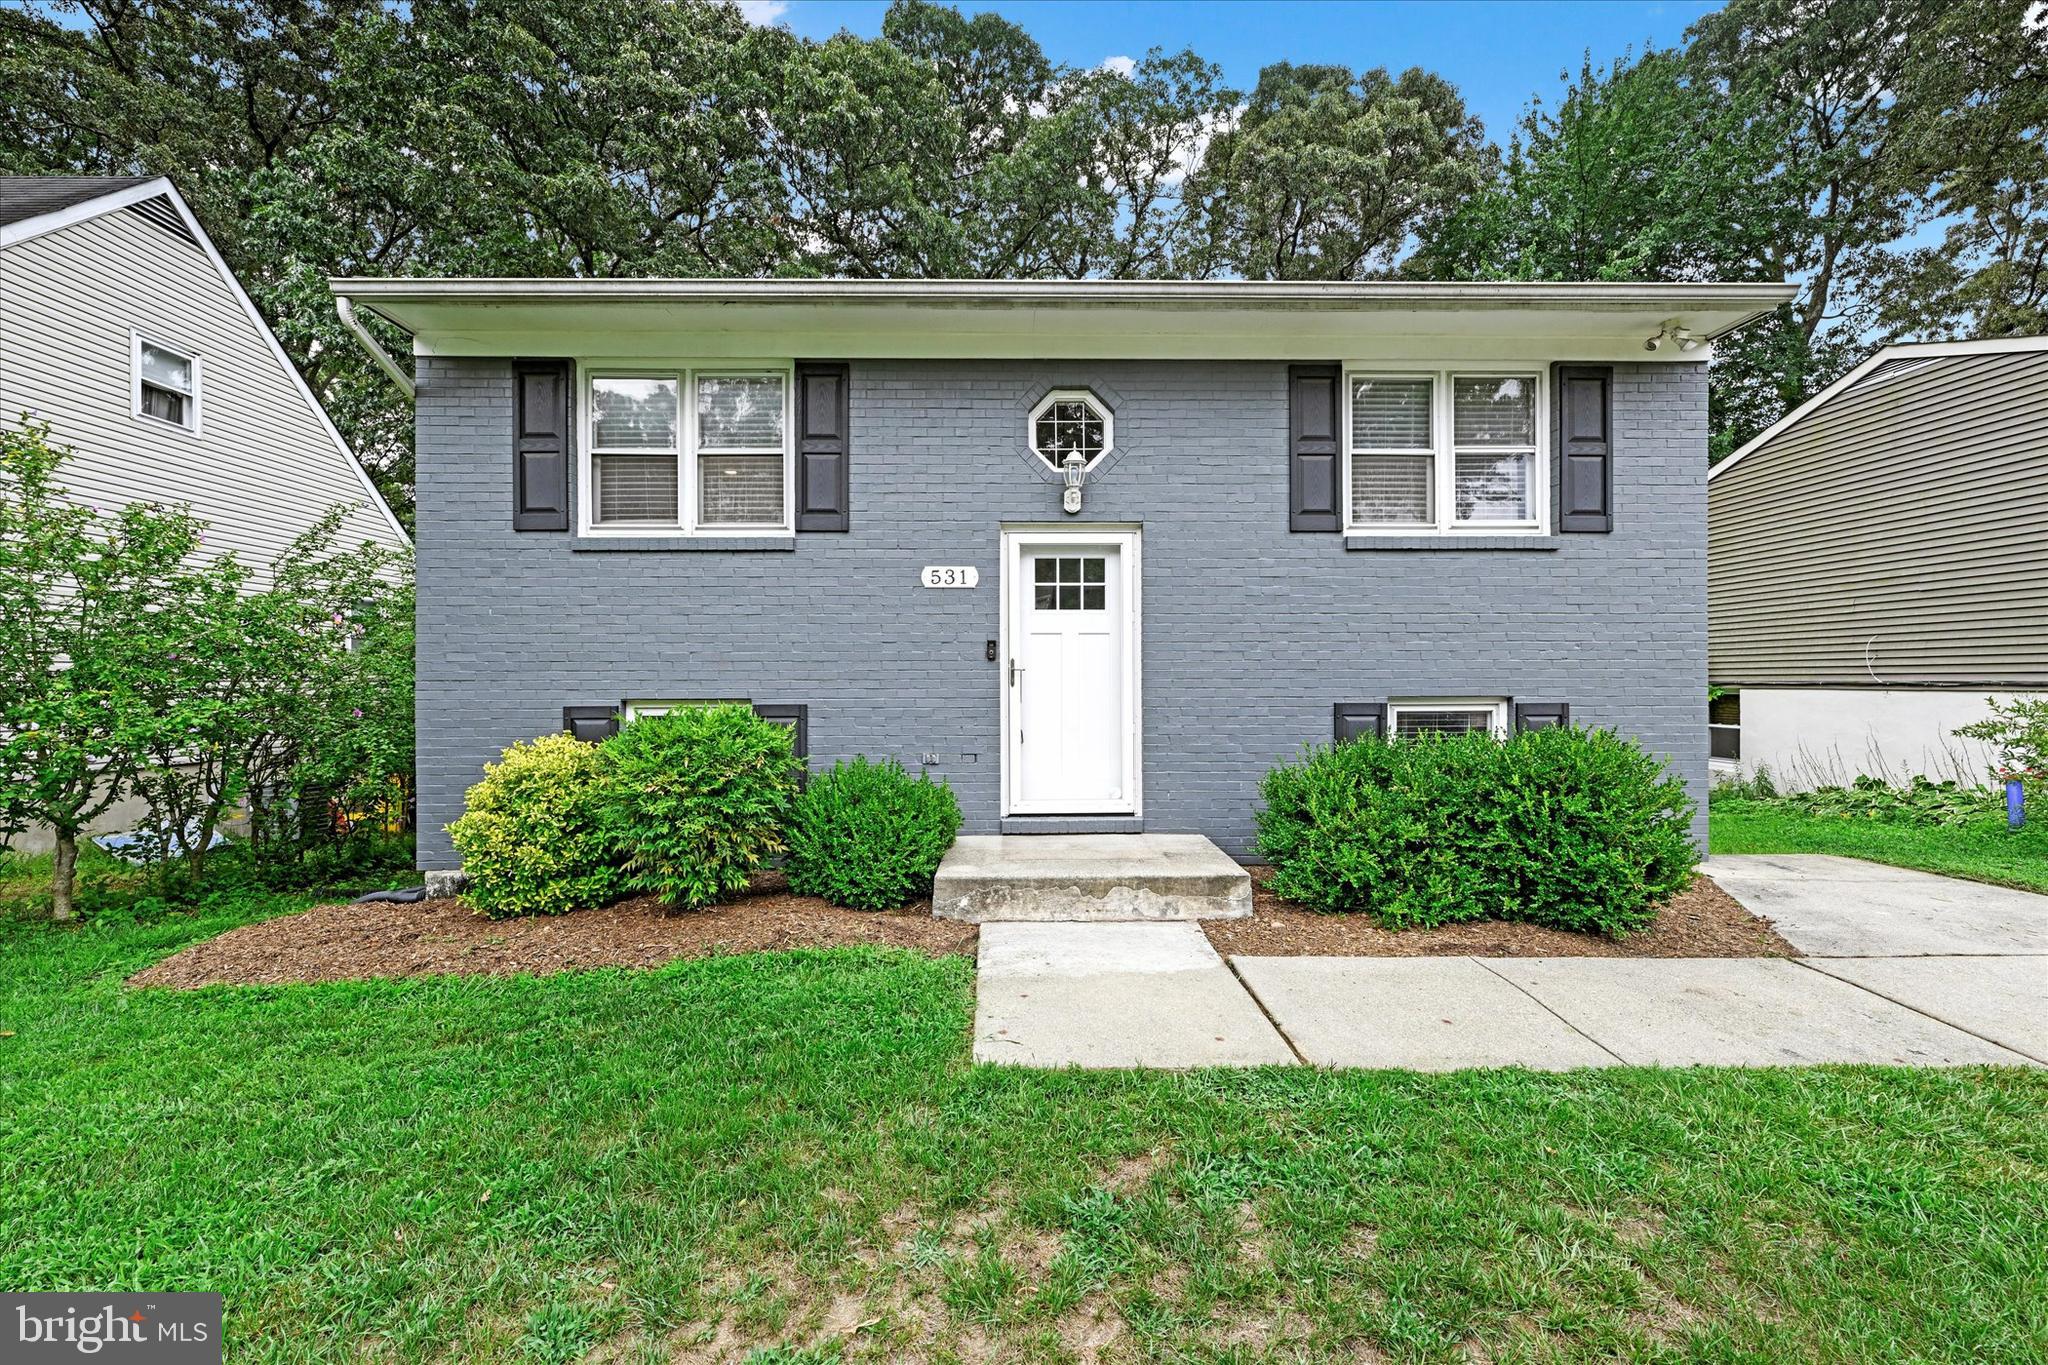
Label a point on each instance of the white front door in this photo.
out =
(1071, 679)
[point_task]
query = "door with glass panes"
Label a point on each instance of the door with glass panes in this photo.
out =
(1071, 709)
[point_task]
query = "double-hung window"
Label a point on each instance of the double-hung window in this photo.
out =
(1445, 450)
(688, 451)
(165, 383)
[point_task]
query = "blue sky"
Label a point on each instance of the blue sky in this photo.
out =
(1497, 53)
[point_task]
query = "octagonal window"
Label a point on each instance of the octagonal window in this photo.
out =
(1070, 420)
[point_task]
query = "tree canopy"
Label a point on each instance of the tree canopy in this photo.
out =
(1887, 157)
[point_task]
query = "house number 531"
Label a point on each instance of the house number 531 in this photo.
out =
(950, 576)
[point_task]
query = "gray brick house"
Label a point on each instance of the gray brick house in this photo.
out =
(1303, 511)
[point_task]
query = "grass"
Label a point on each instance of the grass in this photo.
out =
(1983, 850)
(790, 1152)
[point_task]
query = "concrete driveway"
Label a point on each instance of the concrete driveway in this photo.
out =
(1903, 968)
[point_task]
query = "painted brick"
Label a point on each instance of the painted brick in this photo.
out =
(1249, 634)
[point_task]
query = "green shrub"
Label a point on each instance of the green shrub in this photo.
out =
(1575, 829)
(529, 836)
(698, 800)
(869, 835)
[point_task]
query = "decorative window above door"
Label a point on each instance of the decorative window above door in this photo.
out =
(1069, 420)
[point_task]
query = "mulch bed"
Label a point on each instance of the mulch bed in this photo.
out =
(444, 938)
(1704, 921)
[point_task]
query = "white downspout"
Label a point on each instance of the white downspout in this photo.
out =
(346, 311)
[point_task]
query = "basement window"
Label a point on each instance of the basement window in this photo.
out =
(1420, 716)
(164, 383)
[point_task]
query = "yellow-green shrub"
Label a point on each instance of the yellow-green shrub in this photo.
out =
(528, 834)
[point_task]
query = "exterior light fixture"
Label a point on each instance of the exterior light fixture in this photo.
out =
(1075, 469)
(1671, 331)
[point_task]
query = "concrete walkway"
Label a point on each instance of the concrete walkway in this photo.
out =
(1904, 968)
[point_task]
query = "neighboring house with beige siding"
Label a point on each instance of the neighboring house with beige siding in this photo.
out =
(121, 328)
(1878, 567)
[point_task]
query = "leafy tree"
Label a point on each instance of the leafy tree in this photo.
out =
(96, 612)
(1328, 174)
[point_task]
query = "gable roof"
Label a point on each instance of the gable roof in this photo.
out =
(68, 201)
(1893, 362)
(31, 196)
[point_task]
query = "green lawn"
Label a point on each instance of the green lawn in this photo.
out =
(1985, 850)
(791, 1152)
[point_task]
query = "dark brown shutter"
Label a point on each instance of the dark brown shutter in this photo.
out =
(1353, 719)
(1542, 715)
(1313, 448)
(1585, 444)
(590, 723)
(823, 449)
(540, 445)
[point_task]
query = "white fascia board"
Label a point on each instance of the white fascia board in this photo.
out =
(1919, 350)
(29, 228)
(1058, 319)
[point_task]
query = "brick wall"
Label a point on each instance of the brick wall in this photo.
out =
(1249, 632)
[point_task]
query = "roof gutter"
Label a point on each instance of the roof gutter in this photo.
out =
(345, 310)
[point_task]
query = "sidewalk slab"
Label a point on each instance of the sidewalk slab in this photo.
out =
(1845, 907)
(1415, 1013)
(1114, 995)
(2004, 999)
(1739, 1012)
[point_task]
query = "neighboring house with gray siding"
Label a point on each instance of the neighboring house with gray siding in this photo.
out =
(1878, 567)
(123, 330)
(1306, 511)
(121, 327)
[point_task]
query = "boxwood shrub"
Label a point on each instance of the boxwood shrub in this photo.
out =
(698, 800)
(529, 836)
(869, 835)
(1576, 829)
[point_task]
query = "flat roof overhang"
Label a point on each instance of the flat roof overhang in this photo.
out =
(623, 319)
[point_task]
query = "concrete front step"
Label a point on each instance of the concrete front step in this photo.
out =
(993, 877)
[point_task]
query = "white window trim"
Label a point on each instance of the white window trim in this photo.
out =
(686, 377)
(1496, 706)
(190, 355)
(1095, 404)
(634, 710)
(1444, 451)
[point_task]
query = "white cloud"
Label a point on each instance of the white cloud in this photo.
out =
(1123, 66)
(2036, 17)
(763, 12)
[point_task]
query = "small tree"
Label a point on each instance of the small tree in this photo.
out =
(94, 613)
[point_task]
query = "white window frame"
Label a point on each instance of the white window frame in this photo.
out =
(1444, 450)
(634, 710)
(686, 377)
(1496, 707)
(190, 355)
(1095, 405)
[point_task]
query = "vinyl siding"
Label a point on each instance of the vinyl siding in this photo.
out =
(261, 469)
(1898, 533)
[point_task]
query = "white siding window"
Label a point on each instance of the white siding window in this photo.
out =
(687, 451)
(1446, 451)
(1447, 716)
(165, 383)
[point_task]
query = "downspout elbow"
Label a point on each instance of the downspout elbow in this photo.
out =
(345, 310)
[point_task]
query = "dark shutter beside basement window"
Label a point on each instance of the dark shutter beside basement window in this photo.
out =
(1542, 715)
(590, 723)
(1313, 448)
(540, 445)
(1585, 445)
(1355, 719)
